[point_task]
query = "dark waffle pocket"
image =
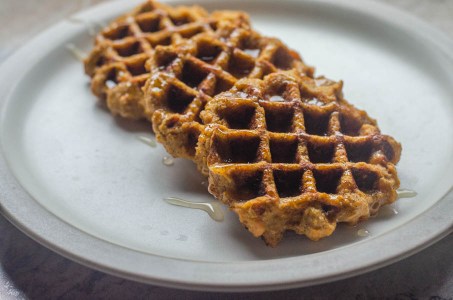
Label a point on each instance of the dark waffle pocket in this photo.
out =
(288, 183)
(237, 149)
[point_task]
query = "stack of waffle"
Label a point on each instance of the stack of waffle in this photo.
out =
(282, 148)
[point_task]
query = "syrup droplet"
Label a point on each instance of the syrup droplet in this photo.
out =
(76, 52)
(363, 232)
(110, 84)
(315, 101)
(276, 98)
(168, 161)
(213, 209)
(405, 193)
(182, 237)
(156, 90)
(241, 95)
(207, 59)
(387, 211)
(323, 81)
(147, 141)
(252, 52)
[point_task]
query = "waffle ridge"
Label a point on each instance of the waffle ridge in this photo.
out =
(117, 64)
(288, 153)
(187, 76)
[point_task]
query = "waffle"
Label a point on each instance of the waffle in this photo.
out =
(289, 153)
(117, 64)
(186, 77)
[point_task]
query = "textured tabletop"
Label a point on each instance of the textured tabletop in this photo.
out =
(30, 271)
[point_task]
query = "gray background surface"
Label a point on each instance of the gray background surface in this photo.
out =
(30, 271)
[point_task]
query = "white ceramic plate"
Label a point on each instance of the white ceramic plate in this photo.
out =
(78, 181)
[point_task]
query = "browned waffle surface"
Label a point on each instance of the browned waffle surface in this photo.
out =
(288, 153)
(186, 77)
(117, 64)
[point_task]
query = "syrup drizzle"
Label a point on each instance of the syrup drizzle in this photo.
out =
(213, 209)
(405, 193)
(363, 232)
(168, 161)
(147, 141)
(76, 52)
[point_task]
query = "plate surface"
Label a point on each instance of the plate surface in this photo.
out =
(81, 183)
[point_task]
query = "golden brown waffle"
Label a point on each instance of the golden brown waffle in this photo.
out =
(117, 64)
(288, 153)
(186, 77)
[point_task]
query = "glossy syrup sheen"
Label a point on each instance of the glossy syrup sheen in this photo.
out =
(76, 52)
(147, 141)
(405, 193)
(213, 209)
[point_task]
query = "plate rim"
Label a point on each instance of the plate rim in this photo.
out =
(39, 224)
